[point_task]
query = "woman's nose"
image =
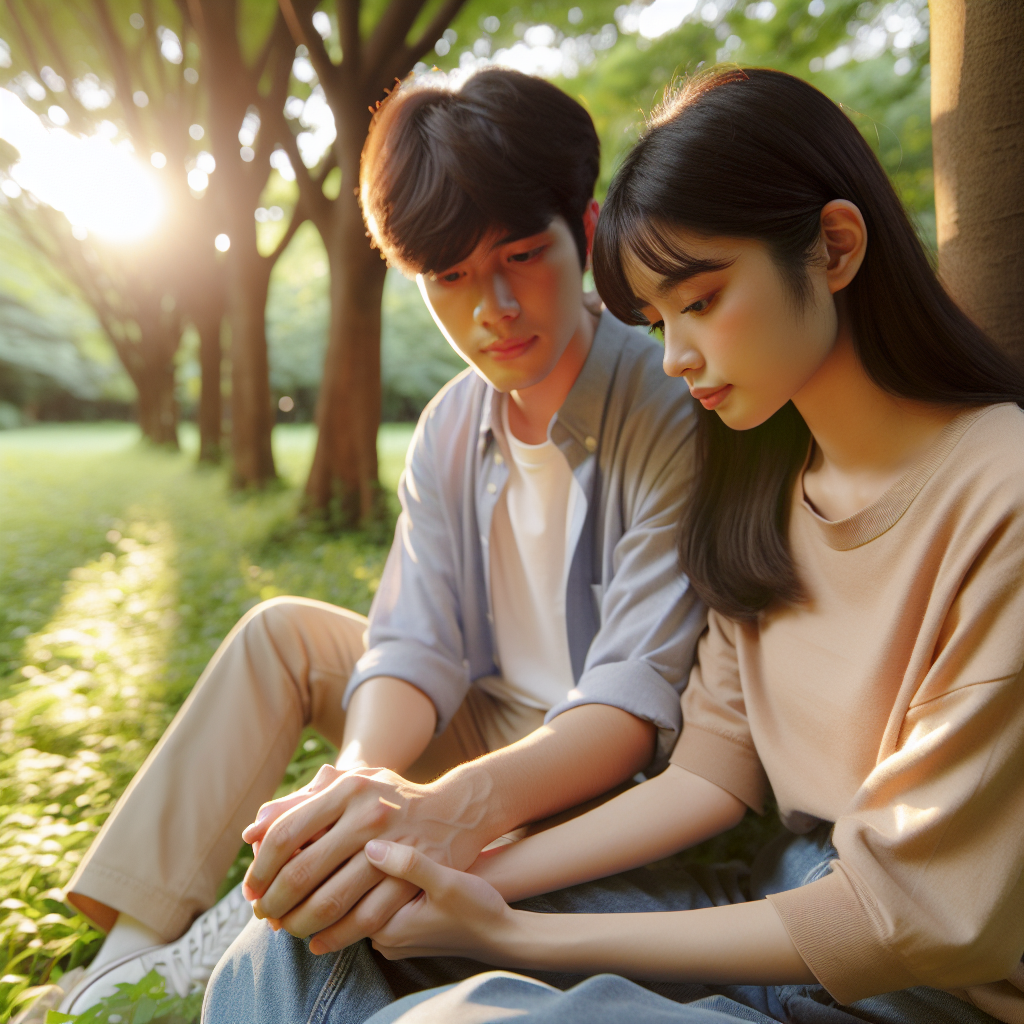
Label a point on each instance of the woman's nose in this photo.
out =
(680, 356)
(496, 302)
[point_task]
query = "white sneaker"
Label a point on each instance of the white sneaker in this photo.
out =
(185, 965)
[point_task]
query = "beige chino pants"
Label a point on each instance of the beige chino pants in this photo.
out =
(174, 833)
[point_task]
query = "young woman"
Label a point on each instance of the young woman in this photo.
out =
(857, 531)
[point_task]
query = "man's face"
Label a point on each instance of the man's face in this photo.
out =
(511, 308)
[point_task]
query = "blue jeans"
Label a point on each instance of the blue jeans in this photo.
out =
(271, 978)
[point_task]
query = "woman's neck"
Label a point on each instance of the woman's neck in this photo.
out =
(865, 438)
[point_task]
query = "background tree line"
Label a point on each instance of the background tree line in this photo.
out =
(253, 112)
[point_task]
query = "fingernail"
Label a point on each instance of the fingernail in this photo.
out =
(375, 850)
(247, 831)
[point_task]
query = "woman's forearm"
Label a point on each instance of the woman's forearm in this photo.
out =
(745, 944)
(669, 813)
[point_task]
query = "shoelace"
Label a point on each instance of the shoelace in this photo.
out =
(188, 963)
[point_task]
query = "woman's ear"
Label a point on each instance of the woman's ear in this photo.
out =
(845, 238)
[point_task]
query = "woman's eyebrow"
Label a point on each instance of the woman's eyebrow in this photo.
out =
(684, 273)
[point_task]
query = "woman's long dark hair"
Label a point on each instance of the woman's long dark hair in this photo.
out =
(757, 154)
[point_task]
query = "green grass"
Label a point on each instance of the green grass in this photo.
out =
(121, 569)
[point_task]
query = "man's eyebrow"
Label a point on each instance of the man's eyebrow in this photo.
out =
(508, 239)
(697, 267)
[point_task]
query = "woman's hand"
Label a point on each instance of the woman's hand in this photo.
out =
(456, 914)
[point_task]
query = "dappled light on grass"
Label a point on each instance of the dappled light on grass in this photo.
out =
(74, 730)
(122, 569)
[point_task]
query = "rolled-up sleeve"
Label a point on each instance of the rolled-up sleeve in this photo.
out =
(415, 631)
(649, 617)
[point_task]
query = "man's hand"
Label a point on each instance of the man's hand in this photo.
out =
(310, 871)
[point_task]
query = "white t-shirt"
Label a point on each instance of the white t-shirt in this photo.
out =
(529, 549)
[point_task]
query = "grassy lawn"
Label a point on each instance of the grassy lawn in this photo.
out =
(121, 569)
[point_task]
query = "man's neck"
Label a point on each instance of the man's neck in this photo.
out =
(530, 409)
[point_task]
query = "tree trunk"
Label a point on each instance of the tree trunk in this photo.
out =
(978, 144)
(157, 406)
(210, 404)
(343, 483)
(251, 418)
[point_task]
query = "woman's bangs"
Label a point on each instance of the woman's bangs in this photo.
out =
(636, 240)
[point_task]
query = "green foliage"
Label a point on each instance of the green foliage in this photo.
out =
(416, 360)
(145, 1002)
(123, 568)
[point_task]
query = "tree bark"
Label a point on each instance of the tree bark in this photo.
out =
(157, 406)
(978, 144)
(252, 458)
(210, 404)
(343, 481)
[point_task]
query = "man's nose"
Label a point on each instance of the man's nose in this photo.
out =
(496, 302)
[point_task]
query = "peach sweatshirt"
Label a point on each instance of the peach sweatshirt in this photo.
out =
(892, 703)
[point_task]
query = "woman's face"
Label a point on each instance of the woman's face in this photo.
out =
(740, 337)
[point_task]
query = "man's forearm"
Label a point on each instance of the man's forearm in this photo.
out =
(388, 724)
(581, 754)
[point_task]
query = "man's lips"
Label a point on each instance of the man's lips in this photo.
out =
(504, 349)
(710, 397)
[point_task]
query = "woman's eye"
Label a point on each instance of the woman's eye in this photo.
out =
(659, 326)
(451, 277)
(698, 307)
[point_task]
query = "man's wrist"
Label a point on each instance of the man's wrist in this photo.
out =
(465, 800)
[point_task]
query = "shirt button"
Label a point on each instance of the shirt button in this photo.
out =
(492, 488)
(498, 460)
(590, 444)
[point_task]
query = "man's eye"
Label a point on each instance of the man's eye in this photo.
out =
(525, 257)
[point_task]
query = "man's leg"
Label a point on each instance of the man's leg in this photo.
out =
(173, 834)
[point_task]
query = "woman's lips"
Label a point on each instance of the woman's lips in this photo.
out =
(711, 397)
(509, 348)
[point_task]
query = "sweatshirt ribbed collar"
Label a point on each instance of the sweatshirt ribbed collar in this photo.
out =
(880, 516)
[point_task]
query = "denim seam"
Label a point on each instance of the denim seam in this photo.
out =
(322, 1006)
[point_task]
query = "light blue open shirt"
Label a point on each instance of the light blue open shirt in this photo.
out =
(632, 621)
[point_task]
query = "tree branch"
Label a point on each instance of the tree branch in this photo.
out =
(403, 58)
(119, 59)
(42, 21)
(297, 20)
(298, 219)
(389, 34)
(348, 31)
(26, 42)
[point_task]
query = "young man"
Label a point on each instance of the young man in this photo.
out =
(531, 633)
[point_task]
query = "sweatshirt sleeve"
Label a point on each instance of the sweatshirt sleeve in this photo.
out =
(716, 743)
(928, 886)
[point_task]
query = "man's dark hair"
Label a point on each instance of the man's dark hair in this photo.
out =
(443, 167)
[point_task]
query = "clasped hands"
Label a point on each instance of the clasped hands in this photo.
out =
(311, 874)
